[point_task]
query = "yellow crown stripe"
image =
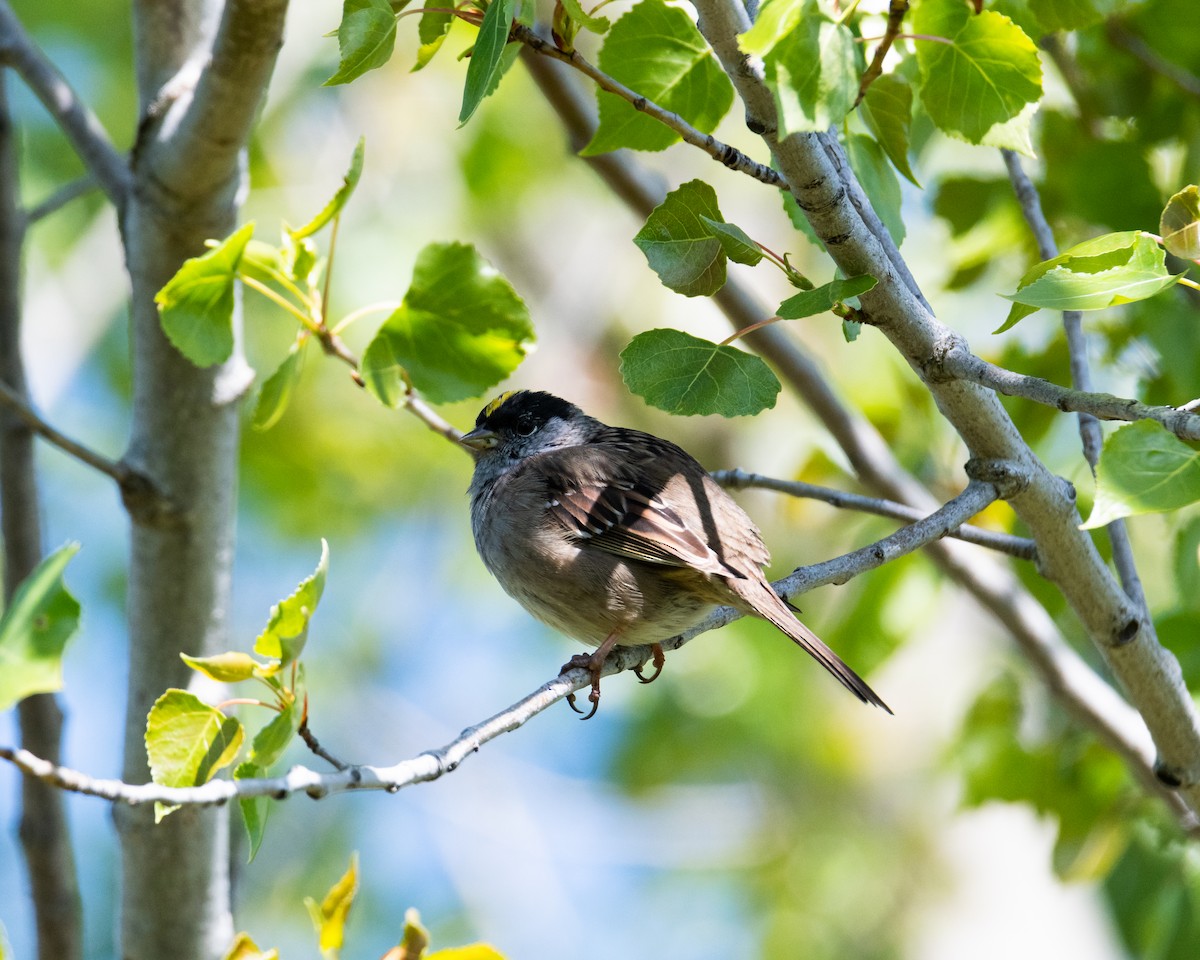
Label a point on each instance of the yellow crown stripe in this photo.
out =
(497, 403)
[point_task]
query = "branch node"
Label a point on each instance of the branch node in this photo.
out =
(1008, 477)
(1128, 632)
(1167, 775)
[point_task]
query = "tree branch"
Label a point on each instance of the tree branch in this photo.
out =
(1150, 673)
(1121, 36)
(60, 198)
(1019, 547)
(1088, 699)
(80, 126)
(723, 153)
(44, 830)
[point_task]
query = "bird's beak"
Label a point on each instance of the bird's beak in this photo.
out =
(479, 439)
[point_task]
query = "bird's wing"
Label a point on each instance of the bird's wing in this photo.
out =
(617, 496)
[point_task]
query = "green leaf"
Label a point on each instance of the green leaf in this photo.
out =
(809, 303)
(196, 305)
(276, 391)
(850, 330)
(685, 375)
(657, 51)
(887, 112)
(871, 166)
(329, 916)
(678, 245)
(431, 31)
(1143, 469)
(1180, 223)
(575, 10)
(255, 810)
(474, 951)
(287, 628)
(187, 741)
(460, 330)
(231, 667)
(1103, 272)
(1014, 134)
(484, 68)
(34, 630)
(366, 38)
(244, 948)
(985, 75)
(811, 65)
(1153, 894)
(735, 242)
(1186, 565)
(275, 737)
(338, 201)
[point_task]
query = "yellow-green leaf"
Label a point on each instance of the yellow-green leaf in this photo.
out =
(1143, 469)
(287, 628)
(329, 916)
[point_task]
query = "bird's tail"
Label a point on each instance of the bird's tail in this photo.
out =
(774, 609)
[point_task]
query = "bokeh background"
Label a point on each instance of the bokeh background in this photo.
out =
(742, 806)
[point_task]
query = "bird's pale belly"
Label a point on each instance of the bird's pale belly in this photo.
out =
(610, 593)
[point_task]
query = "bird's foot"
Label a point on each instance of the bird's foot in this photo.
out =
(593, 663)
(658, 658)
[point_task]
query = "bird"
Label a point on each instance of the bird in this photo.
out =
(616, 537)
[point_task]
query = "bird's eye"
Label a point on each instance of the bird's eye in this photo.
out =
(525, 428)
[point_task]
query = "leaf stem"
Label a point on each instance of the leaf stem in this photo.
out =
(307, 321)
(353, 315)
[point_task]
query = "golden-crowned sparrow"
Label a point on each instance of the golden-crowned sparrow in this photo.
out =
(614, 536)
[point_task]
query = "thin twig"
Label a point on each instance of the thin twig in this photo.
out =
(436, 763)
(959, 364)
(315, 746)
(1123, 37)
(139, 492)
(81, 127)
(60, 198)
(896, 11)
(723, 153)
(1020, 547)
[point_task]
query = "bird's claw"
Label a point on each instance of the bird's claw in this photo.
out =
(658, 658)
(587, 661)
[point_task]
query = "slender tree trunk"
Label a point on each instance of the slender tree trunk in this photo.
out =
(45, 839)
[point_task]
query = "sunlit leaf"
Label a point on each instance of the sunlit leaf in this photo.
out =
(474, 951)
(432, 29)
(887, 112)
(34, 630)
(657, 51)
(196, 305)
(187, 741)
(983, 71)
(329, 916)
(244, 948)
(277, 389)
(809, 303)
(811, 64)
(338, 201)
(484, 68)
(366, 38)
(255, 810)
(678, 244)
(596, 24)
(460, 330)
(1180, 223)
(1103, 272)
(287, 628)
(231, 667)
(1143, 469)
(270, 742)
(685, 375)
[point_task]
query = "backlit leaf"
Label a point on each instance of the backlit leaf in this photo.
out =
(284, 637)
(983, 71)
(34, 630)
(329, 916)
(460, 330)
(196, 305)
(1143, 469)
(657, 51)
(1180, 223)
(187, 741)
(366, 38)
(338, 201)
(887, 111)
(484, 67)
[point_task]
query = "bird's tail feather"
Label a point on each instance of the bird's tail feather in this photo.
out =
(779, 615)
